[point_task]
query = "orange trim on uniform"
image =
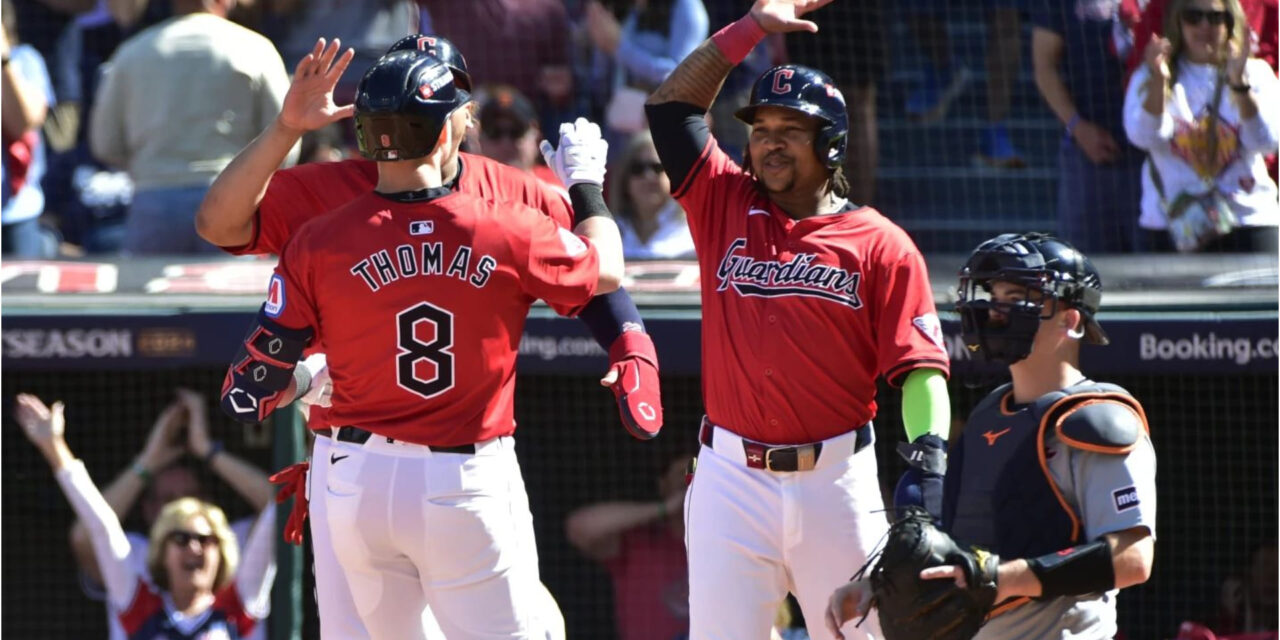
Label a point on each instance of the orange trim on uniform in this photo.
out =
(1072, 442)
(1005, 401)
(1007, 606)
(1044, 466)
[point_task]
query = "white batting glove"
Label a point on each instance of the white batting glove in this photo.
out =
(321, 390)
(581, 155)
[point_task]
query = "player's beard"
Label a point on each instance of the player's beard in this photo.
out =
(787, 174)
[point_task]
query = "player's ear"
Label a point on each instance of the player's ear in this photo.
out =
(1073, 322)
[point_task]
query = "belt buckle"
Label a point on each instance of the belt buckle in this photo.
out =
(806, 457)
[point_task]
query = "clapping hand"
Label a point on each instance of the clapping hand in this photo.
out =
(165, 442)
(199, 444)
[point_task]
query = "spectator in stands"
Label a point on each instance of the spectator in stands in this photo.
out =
(1081, 78)
(652, 223)
(175, 105)
(153, 480)
(368, 26)
(88, 199)
(1194, 106)
(521, 43)
(651, 40)
(27, 95)
(641, 544)
(194, 583)
(1249, 598)
(944, 81)
(41, 21)
(509, 130)
(850, 46)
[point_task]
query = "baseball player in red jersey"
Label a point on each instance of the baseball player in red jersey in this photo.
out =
(806, 300)
(250, 209)
(418, 294)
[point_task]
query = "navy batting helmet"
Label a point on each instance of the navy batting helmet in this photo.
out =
(811, 92)
(1042, 263)
(442, 49)
(403, 102)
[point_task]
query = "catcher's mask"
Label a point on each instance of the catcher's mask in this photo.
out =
(1052, 271)
(403, 102)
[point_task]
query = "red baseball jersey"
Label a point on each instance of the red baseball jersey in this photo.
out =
(419, 307)
(799, 317)
(300, 193)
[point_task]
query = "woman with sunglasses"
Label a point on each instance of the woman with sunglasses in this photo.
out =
(652, 224)
(1194, 106)
(199, 586)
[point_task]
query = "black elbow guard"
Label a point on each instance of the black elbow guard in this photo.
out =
(262, 369)
(1075, 571)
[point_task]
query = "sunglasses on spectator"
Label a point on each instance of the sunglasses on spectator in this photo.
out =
(1198, 16)
(184, 538)
(503, 133)
(642, 168)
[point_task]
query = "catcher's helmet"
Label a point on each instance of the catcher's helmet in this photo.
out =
(1040, 262)
(403, 102)
(810, 92)
(442, 49)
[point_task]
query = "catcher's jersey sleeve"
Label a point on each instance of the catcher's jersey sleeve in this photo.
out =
(419, 307)
(1109, 492)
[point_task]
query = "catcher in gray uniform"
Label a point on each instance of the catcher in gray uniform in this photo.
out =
(1050, 497)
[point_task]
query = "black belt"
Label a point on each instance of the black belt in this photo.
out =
(356, 435)
(785, 458)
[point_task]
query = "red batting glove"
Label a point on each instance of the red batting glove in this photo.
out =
(635, 361)
(294, 479)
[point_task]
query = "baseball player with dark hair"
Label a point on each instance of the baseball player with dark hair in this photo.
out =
(1053, 477)
(252, 208)
(418, 293)
(807, 298)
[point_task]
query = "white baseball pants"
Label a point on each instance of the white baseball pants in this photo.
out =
(411, 528)
(753, 535)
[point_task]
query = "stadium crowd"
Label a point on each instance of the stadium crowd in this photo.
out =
(119, 113)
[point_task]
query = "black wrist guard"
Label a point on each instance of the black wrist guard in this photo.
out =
(588, 202)
(1075, 571)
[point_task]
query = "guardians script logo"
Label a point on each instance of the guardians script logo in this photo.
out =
(799, 277)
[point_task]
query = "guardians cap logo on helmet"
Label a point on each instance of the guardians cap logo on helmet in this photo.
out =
(442, 49)
(1051, 267)
(811, 92)
(403, 102)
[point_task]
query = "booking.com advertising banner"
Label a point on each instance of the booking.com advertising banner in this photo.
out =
(158, 314)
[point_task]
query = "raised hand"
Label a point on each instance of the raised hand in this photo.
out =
(581, 155)
(1237, 58)
(782, 16)
(198, 441)
(1157, 55)
(309, 103)
(165, 442)
(43, 425)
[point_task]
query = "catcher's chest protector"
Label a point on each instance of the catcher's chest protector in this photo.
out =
(1000, 494)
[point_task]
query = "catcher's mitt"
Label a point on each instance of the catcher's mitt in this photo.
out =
(915, 609)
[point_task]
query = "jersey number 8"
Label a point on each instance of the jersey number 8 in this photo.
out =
(413, 350)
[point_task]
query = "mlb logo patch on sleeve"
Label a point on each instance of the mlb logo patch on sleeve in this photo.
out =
(275, 296)
(931, 328)
(1126, 498)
